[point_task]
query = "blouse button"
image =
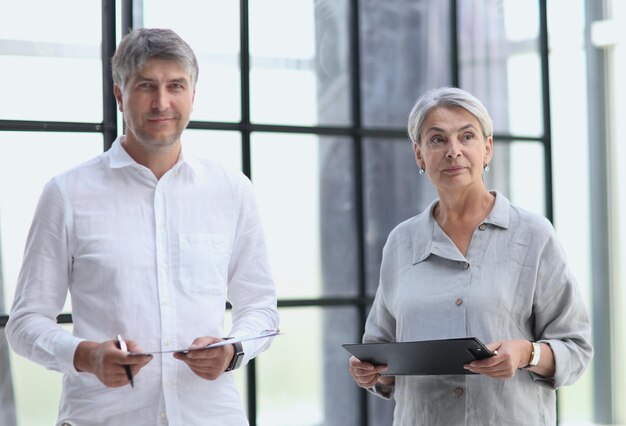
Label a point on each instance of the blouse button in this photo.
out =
(465, 265)
(482, 227)
(458, 392)
(458, 301)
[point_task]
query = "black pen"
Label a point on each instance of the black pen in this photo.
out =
(122, 345)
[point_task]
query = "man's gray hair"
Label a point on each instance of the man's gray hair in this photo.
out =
(142, 44)
(447, 97)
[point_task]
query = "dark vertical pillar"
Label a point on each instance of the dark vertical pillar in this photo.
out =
(7, 398)
(545, 99)
(244, 61)
(109, 106)
(599, 226)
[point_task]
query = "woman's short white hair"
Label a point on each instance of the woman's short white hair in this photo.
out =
(447, 97)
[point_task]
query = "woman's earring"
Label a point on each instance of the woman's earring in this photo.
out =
(421, 171)
(486, 168)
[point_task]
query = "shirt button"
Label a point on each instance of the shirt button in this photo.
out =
(458, 301)
(458, 392)
(482, 227)
(465, 265)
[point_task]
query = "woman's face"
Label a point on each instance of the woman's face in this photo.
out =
(453, 150)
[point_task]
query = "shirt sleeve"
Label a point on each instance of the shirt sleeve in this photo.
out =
(32, 330)
(251, 289)
(380, 326)
(561, 318)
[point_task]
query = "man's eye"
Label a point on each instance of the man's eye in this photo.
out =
(468, 136)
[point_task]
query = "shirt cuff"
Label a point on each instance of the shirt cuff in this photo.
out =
(65, 351)
(383, 391)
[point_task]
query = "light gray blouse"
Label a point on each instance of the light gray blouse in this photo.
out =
(514, 283)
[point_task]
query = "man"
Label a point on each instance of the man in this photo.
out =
(150, 243)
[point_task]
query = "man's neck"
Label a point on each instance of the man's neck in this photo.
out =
(158, 160)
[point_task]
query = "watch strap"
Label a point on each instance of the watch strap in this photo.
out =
(535, 355)
(237, 359)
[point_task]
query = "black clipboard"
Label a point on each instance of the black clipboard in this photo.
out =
(425, 357)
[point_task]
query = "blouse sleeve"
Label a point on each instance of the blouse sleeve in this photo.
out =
(381, 324)
(560, 315)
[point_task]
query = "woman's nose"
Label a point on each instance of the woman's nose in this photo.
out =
(454, 149)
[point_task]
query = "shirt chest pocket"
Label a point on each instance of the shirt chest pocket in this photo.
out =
(203, 263)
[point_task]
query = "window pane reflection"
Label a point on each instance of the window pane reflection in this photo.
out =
(52, 88)
(309, 385)
(304, 185)
(51, 68)
(404, 52)
(517, 171)
(299, 72)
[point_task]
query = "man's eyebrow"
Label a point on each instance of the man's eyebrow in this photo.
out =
(140, 77)
(179, 80)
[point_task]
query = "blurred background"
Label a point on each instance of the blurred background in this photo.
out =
(310, 99)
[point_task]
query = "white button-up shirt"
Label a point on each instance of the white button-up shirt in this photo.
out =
(152, 260)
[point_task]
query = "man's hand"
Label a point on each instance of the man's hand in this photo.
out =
(366, 375)
(106, 361)
(207, 363)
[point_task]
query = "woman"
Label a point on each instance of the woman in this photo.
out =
(472, 264)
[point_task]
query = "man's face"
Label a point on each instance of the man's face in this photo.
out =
(156, 103)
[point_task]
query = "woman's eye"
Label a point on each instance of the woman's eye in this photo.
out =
(468, 137)
(436, 140)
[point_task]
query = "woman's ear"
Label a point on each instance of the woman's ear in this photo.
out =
(419, 160)
(488, 150)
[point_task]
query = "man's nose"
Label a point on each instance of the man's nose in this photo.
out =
(160, 100)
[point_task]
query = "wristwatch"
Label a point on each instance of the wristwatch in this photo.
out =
(535, 355)
(237, 357)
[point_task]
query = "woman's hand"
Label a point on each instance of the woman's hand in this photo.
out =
(511, 355)
(366, 375)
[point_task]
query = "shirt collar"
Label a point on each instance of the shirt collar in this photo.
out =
(119, 158)
(429, 239)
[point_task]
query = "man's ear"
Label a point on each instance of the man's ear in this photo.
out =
(117, 92)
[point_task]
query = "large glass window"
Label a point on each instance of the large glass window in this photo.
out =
(310, 99)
